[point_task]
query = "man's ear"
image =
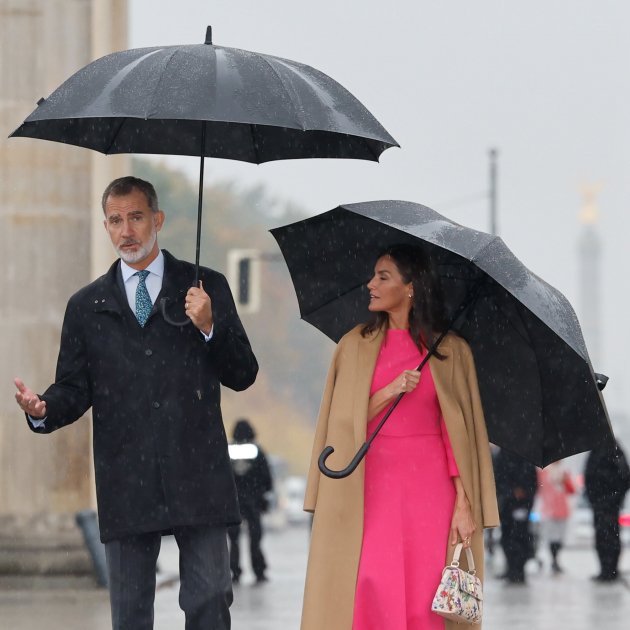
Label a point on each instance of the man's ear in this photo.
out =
(158, 218)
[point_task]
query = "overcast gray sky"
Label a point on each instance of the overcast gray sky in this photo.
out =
(544, 81)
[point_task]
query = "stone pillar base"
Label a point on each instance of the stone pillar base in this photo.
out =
(43, 545)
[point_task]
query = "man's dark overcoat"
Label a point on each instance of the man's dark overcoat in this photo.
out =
(160, 450)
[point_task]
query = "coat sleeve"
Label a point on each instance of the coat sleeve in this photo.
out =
(70, 396)
(321, 433)
(453, 471)
(489, 509)
(236, 363)
(266, 480)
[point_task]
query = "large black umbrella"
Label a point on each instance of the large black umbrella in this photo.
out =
(208, 101)
(538, 388)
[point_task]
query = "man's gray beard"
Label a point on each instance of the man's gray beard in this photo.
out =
(142, 252)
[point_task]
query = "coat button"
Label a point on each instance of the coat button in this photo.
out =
(148, 352)
(156, 405)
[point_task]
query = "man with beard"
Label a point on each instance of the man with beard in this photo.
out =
(160, 450)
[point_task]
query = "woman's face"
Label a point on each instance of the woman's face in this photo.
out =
(388, 291)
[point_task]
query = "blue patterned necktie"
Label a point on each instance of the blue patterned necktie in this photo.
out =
(143, 299)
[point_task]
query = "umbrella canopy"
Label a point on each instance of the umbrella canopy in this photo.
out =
(537, 385)
(255, 107)
(207, 101)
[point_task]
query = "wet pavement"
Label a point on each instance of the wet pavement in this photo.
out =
(570, 600)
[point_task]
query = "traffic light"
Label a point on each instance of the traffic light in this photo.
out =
(243, 274)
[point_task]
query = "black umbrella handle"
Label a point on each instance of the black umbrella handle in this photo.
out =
(356, 460)
(348, 470)
(170, 320)
(360, 454)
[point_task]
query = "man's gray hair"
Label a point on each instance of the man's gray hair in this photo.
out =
(125, 185)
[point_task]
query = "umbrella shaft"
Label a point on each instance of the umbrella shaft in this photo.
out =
(200, 204)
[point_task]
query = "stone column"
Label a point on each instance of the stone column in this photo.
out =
(589, 266)
(46, 215)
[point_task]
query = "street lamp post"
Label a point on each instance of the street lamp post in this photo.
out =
(493, 154)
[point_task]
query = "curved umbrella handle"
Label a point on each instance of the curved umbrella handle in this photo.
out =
(348, 470)
(170, 320)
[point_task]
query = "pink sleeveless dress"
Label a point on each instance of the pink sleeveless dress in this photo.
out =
(409, 500)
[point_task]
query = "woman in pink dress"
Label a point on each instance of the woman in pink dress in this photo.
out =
(415, 505)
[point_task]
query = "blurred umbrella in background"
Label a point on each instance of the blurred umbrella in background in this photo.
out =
(540, 395)
(207, 101)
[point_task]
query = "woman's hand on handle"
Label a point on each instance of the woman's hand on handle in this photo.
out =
(406, 381)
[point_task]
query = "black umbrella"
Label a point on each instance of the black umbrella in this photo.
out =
(207, 101)
(540, 394)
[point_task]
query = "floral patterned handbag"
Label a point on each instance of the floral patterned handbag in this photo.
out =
(459, 596)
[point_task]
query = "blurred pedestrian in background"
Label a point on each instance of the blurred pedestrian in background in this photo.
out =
(516, 488)
(555, 486)
(606, 481)
(253, 484)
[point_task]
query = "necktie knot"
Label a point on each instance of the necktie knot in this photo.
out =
(143, 299)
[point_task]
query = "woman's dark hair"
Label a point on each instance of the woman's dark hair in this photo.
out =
(427, 317)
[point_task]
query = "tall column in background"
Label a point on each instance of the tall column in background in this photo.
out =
(46, 252)
(589, 266)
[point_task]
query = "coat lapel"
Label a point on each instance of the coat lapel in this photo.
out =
(367, 354)
(110, 295)
(443, 373)
(175, 285)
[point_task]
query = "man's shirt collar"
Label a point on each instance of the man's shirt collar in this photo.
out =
(156, 267)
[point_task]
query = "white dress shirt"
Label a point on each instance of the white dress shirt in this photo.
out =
(153, 280)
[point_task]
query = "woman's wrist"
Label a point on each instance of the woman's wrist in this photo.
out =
(378, 401)
(388, 393)
(462, 502)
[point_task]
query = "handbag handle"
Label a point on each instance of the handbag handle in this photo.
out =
(469, 557)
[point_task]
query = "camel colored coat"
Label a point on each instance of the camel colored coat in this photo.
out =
(338, 503)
